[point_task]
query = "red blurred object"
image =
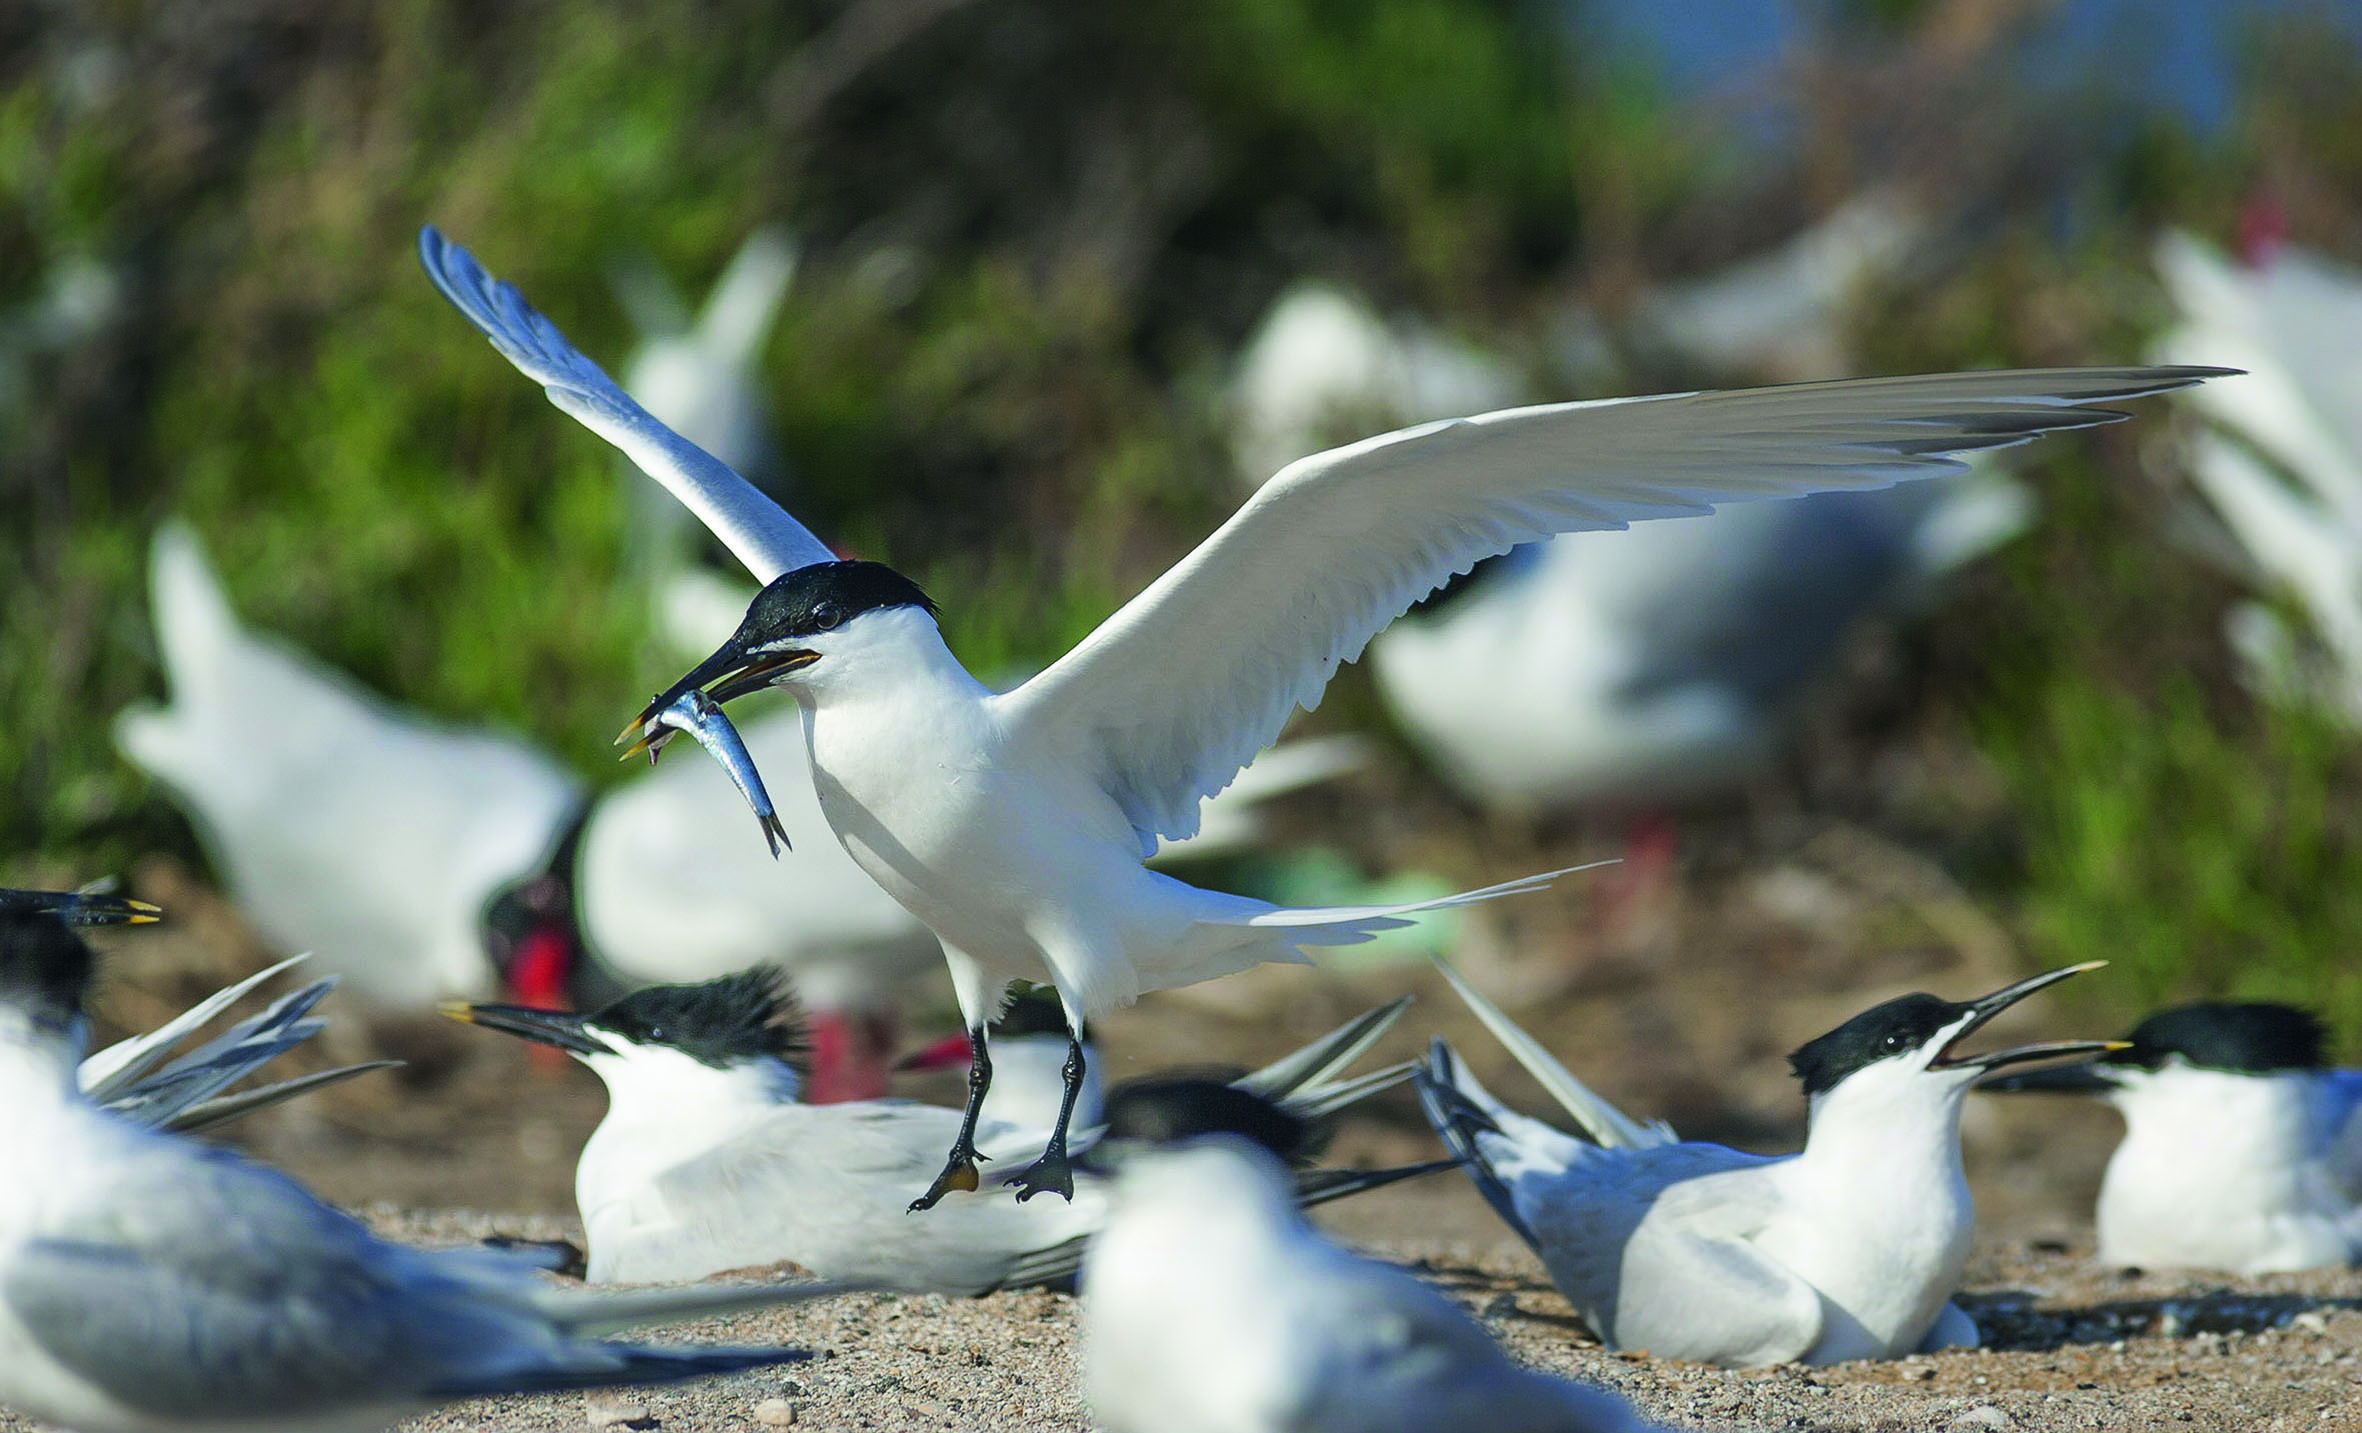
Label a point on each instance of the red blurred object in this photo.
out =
(952, 1051)
(2263, 228)
(540, 976)
(852, 1057)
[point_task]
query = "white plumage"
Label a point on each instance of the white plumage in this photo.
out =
(1014, 824)
(1210, 1306)
(2283, 467)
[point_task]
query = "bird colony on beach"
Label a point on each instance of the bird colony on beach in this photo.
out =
(1619, 601)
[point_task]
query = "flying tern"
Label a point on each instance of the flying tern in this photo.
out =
(153, 1284)
(1850, 1249)
(2241, 1148)
(708, 1161)
(1014, 824)
(1209, 1304)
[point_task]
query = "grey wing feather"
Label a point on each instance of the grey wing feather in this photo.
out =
(220, 1110)
(1342, 542)
(104, 1075)
(754, 528)
(1324, 1058)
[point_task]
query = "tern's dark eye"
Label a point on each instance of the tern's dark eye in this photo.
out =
(826, 616)
(1895, 1040)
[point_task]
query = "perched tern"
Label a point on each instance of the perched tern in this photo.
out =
(1209, 1305)
(153, 1284)
(707, 1160)
(1014, 824)
(2241, 1148)
(1849, 1249)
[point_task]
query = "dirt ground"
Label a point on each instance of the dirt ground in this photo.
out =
(1677, 1001)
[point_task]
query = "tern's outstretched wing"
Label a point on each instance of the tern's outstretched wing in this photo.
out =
(753, 527)
(1171, 696)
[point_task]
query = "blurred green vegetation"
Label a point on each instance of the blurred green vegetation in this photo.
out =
(1035, 232)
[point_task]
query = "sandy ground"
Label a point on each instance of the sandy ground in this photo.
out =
(2072, 1348)
(1679, 1005)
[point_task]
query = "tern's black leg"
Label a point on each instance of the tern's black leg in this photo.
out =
(959, 1170)
(1051, 1173)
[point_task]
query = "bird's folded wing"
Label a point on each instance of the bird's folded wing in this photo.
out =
(753, 527)
(217, 1291)
(1174, 693)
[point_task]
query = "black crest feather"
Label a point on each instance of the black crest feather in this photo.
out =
(752, 1015)
(44, 966)
(2251, 1038)
(825, 596)
(1166, 1110)
(1881, 1032)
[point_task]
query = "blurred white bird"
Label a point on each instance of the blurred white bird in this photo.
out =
(2282, 465)
(343, 825)
(1850, 1249)
(1015, 824)
(2242, 1150)
(153, 1284)
(437, 862)
(1209, 1305)
(707, 1159)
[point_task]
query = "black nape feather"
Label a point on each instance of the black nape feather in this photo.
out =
(2248, 1038)
(826, 595)
(752, 1015)
(1166, 1110)
(43, 965)
(1901, 1025)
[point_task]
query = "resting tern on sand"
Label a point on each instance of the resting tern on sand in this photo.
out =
(1014, 824)
(1849, 1249)
(150, 1282)
(708, 1160)
(2242, 1150)
(1209, 1304)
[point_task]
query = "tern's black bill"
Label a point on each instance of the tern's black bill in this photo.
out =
(81, 908)
(744, 674)
(2082, 1077)
(561, 1029)
(1983, 1009)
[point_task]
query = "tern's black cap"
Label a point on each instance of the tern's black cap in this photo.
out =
(44, 966)
(825, 596)
(2250, 1038)
(1899, 1026)
(730, 1021)
(1168, 1110)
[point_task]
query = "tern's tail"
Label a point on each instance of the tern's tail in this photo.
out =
(1609, 1127)
(1463, 1112)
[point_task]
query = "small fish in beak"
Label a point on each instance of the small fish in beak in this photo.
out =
(699, 715)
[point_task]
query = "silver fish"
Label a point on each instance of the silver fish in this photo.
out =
(697, 714)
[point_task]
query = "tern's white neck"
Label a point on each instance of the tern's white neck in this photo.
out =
(1214, 1201)
(2226, 1171)
(883, 655)
(1876, 1212)
(664, 1107)
(37, 1080)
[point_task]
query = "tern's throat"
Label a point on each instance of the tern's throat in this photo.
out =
(1886, 1123)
